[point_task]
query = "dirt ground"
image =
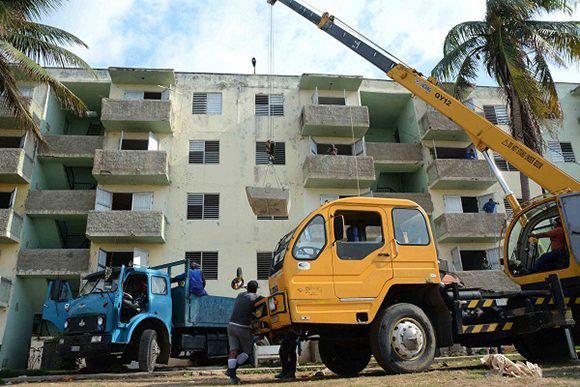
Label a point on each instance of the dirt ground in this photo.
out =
(444, 372)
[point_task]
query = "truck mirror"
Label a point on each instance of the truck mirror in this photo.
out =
(339, 229)
(238, 281)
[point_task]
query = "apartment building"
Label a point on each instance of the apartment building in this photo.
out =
(157, 172)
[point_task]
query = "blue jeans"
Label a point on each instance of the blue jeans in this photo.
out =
(551, 260)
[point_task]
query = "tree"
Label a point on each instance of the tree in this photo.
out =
(515, 50)
(25, 46)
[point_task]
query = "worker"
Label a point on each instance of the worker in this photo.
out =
(288, 357)
(490, 206)
(196, 280)
(555, 258)
(240, 336)
(470, 154)
(332, 150)
(271, 150)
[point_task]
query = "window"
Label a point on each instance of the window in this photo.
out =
(502, 164)
(311, 240)
(123, 201)
(128, 144)
(158, 285)
(496, 114)
(137, 95)
(269, 105)
(10, 142)
(331, 101)
(561, 152)
(264, 262)
(474, 260)
(364, 234)
(410, 227)
(204, 152)
(203, 206)
(152, 95)
(207, 103)
(469, 204)
(208, 260)
(7, 199)
(270, 217)
(279, 153)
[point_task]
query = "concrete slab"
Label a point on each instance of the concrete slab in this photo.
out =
(492, 280)
(268, 201)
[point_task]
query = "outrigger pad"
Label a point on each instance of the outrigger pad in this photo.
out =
(268, 201)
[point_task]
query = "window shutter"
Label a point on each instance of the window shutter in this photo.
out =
(142, 201)
(209, 265)
(313, 146)
(212, 152)
(140, 258)
(452, 204)
(262, 104)
(165, 95)
(492, 256)
(496, 114)
(261, 155)
(456, 259)
(567, 152)
(276, 105)
(196, 150)
(279, 153)
(359, 148)
(211, 206)
(153, 142)
(214, 104)
(194, 256)
(104, 201)
(199, 103)
(263, 264)
(101, 259)
(555, 151)
(195, 206)
(134, 95)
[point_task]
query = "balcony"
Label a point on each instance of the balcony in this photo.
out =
(422, 199)
(136, 115)
(10, 226)
(131, 167)
(327, 171)
(7, 117)
(60, 203)
(435, 126)
(126, 227)
(469, 228)
(52, 262)
(459, 174)
(395, 157)
(15, 166)
(335, 121)
(78, 151)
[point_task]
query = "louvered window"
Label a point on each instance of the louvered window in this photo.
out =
(264, 263)
(561, 152)
(496, 114)
(208, 260)
(207, 103)
(279, 153)
(204, 152)
(203, 206)
(508, 209)
(269, 105)
(502, 164)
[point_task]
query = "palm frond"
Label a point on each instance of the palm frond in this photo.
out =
(452, 61)
(47, 53)
(463, 32)
(29, 9)
(46, 33)
(564, 37)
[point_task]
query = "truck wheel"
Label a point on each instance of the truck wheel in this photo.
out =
(543, 347)
(344, 359)
(149, 350)
(402, 339)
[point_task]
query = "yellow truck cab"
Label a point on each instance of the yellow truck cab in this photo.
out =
(361, 275)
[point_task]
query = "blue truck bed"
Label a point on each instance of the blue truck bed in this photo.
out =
(203, 312)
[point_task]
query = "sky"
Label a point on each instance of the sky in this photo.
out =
(223, 36)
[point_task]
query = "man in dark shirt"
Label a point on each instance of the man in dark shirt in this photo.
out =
(240, 336)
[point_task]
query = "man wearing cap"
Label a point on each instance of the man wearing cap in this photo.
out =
(240, 336)
(196, 280)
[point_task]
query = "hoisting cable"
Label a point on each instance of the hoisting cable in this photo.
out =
(353, 147)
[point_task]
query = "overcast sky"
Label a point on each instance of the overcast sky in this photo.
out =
(223, 35)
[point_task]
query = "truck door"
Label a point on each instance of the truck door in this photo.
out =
(159, 298)
(362, 259)
(571, 210)
(58, 295)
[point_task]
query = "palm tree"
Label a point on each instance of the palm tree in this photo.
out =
(26, 45)
(515, 50)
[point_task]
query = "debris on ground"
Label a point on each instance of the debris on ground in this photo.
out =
(502, 366)
(323, 372)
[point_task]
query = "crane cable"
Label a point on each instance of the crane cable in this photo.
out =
(353, 147)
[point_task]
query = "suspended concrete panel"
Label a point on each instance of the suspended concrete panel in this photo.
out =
(268, 201)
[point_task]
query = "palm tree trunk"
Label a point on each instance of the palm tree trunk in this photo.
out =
(517, 126)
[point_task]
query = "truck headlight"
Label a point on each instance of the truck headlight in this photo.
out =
(95, 339)
(66, 323)
(100, 321)
(61, 341)
(272, 304)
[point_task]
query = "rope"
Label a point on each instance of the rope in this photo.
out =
(354, 148)
(270, 71)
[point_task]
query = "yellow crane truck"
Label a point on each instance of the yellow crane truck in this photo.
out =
(361, 274)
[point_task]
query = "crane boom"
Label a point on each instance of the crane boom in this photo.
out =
(483, 133)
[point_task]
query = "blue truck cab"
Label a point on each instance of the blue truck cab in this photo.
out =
(134, 314)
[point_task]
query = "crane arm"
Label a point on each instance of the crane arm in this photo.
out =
(483, 133)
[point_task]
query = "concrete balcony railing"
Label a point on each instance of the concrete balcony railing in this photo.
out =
(435, 126)
(327, 171)
(137, 115)
(16, 166)
(126, 227)
(10, 226)
(7, 117)
(422, 199)
(75, 150)
(460, 174)
(131, 167)
(48, 262)
(395, 157)
(335, 120)
(469, 228)
(60, 203)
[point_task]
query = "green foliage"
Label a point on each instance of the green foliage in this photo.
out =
(26, 46)
(515, 50)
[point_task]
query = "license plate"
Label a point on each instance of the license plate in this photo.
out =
(75, 348)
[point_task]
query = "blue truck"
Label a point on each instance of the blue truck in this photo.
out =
(133, 314)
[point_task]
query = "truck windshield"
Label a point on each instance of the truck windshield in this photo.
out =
(99, 285)
(280, 251)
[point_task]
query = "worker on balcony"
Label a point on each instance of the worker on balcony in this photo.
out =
(490, 206)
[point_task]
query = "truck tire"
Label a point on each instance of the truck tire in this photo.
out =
(344, 359)
(149, 350)
(543, 347)
(403, 339)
